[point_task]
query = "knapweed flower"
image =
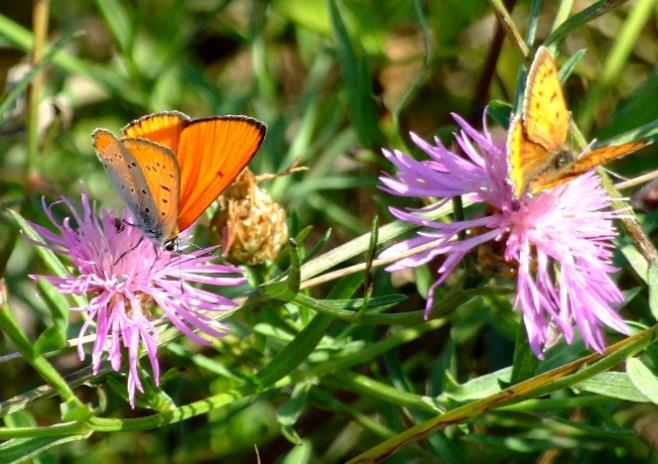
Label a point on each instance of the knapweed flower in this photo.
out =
(560, 240)
(125, 276)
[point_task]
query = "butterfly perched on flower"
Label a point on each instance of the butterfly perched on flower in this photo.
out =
(168, 168)
(538, 154)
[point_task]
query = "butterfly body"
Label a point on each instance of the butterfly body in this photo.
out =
(539, 156)
(168, 168)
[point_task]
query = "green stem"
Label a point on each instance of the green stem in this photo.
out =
(452, 300)
(11, 329)
(40, 26)
(371, 388)
(221, 400)
(542, 384)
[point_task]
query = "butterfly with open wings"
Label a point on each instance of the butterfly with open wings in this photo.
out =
(538, 154)
(169, 168)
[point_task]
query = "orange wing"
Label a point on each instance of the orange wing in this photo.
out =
(211, 153)
(146, 176)
(589, 161)
(159, 166)
(163, 128)
(525, 159)
(545, 113)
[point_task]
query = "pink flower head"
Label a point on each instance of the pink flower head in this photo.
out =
(125, 275)
(560, 239)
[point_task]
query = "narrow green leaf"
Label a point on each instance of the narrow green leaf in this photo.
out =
(524, 363)
(567, 68)
(535, 11)
(19, 419)
(354, 68)
(421, 76)
(297, 351)
(581, 18)
(376, 302)
(500, 112)
(23, 449)
(49, 258)
(73, 410)
(642, 378)
(318, 245)
(634, 111)
(299, 454)
(616, 58)
(613, 385)
(478, 388)
(653, 289)
(117, 18)
(290, 411)
(285, 290)
(636, 260)
(520, 89)
(54, 337)
(21, 85)
(23, 38)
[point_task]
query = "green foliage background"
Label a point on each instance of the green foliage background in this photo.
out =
(325, 373)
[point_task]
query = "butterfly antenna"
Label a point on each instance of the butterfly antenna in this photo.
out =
(141, 239)
(293, 168)
(157, 255)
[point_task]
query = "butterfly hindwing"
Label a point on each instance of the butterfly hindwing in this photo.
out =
(545, 113)
(525, 158)
(159, 167)
(125, 174)
(211, 153)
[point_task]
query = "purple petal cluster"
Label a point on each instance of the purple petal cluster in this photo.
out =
(560, 240)
(125, 276)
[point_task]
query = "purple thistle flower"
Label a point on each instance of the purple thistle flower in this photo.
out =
(560, 240)
(124, 275)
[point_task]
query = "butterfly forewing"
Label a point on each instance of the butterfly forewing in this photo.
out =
(589, 161)
(160, 170)
(545, 112)
(212, 152)
(163, 128)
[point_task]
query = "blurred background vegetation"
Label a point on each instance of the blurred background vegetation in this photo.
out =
(335, 82)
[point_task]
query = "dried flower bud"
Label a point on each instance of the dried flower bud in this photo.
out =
(251, 225)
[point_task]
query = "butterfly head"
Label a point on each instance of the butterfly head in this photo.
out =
(172, 245)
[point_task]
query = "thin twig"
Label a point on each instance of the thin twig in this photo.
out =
(40, 26)
(509, 27)
(637, 180)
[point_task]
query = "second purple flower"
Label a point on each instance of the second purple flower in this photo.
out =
(559, 240)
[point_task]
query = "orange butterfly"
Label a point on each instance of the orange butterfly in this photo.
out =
(169, 168)
(537, 150)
